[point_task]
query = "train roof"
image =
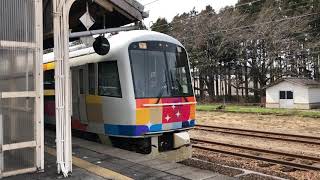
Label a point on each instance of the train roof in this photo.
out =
(120, 40)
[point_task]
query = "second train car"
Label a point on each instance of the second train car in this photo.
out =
(139, 95)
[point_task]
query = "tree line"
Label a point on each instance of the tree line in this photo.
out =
(236, 52)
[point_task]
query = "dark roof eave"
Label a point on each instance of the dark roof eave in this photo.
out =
(313, 86)
(132, 8)
(293, 82)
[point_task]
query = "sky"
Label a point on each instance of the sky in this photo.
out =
(170, 8)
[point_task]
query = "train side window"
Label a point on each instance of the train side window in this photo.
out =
(48, 79)
(81, 83)
(92, 78)
(108, 79)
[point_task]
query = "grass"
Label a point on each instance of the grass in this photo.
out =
(259, 110)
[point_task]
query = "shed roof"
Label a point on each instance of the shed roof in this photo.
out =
(310, 83)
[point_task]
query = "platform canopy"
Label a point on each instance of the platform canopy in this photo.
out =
(106, 14)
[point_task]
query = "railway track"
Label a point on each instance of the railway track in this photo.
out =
(261, 134)
(263, 154)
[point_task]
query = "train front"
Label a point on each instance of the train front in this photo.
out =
(165, 102)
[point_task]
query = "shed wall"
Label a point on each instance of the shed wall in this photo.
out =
(314, 95)
(300, 93)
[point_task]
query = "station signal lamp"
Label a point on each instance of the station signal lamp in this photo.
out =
(101, 45)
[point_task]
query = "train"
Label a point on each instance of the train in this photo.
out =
(138, 97)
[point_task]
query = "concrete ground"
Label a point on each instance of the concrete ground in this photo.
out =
(96, 161)
(51, 172)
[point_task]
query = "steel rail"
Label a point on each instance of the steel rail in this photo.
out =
(265, 159)
(259, 150)
(263, 134)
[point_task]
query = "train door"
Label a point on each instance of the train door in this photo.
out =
(79, 91)
(83, 73)
(75, 89)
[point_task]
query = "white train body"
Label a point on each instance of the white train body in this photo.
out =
(141, 89)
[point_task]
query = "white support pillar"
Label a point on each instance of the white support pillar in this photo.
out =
(61, 10)
(1, 143)
(39, 98)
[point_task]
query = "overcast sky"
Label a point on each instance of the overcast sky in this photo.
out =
(170, 8)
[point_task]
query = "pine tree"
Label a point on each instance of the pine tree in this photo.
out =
(161, 25)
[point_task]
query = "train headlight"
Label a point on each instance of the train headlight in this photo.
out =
(101, 45)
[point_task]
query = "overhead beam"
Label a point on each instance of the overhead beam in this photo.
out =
(102, 31)
(105, 4)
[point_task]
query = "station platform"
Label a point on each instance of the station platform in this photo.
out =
(96, 161)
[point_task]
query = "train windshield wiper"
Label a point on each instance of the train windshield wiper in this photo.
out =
(181, 90)
(164, 86)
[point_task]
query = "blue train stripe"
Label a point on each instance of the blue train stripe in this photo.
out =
(156, 127)
(140, 130)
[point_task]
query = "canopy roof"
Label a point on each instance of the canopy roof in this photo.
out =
(106, 13)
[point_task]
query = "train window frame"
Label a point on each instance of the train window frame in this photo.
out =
(113, 62)
(160, 45)
(46, 75)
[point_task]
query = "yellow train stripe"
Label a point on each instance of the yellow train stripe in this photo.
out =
(95, 169)
(48, 66)
(49, 92)
(92, 99)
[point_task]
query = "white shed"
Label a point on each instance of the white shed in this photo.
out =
(299, 93)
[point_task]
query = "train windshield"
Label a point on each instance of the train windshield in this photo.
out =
(160, 69)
